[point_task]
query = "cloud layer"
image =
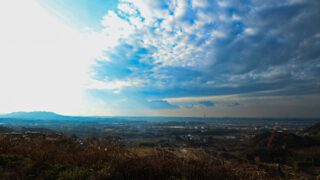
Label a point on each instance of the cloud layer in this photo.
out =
(184, 48)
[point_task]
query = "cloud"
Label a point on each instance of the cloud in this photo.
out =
(234, 104)
(187, 38)
(116, 86)
(204, 48)
(198, 104)
(207, 103)
(160, 104)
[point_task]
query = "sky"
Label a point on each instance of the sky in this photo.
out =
(219, 58)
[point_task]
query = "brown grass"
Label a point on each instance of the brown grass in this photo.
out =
(40, 157)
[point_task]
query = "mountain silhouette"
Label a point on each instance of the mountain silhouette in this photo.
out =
(39, 115)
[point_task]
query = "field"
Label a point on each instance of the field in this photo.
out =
(175, 149)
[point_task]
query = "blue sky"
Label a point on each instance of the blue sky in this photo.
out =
(80, 13)
(247, 58)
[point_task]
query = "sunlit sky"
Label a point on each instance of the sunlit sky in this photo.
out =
(249, 58)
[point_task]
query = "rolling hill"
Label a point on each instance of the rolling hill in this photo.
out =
(38, 115)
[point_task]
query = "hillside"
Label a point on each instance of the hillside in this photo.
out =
(281, 140)
(43, 156)
(278, 147)
(313, 130)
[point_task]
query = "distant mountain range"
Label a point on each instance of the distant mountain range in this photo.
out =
(39, 115)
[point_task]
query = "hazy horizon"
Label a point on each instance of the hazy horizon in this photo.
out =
(22, 114)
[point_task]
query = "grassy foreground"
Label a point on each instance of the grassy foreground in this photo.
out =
(41, 156)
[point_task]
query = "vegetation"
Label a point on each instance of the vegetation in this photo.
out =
(40, 156)
(37, 157)
(39, 153)
(313, 131)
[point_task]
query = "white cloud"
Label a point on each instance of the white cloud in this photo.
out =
(219, 34)
(236, 17)
(181, 8)
(224, 18)
(171, 37)
(149, 9)
(250, 31)
(205, 18)
(222, 4)
(296, 1)
(116, 28)
(115, 85)
(317, 35)
(200, 3)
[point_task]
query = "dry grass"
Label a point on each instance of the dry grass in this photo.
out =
(43, 157)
